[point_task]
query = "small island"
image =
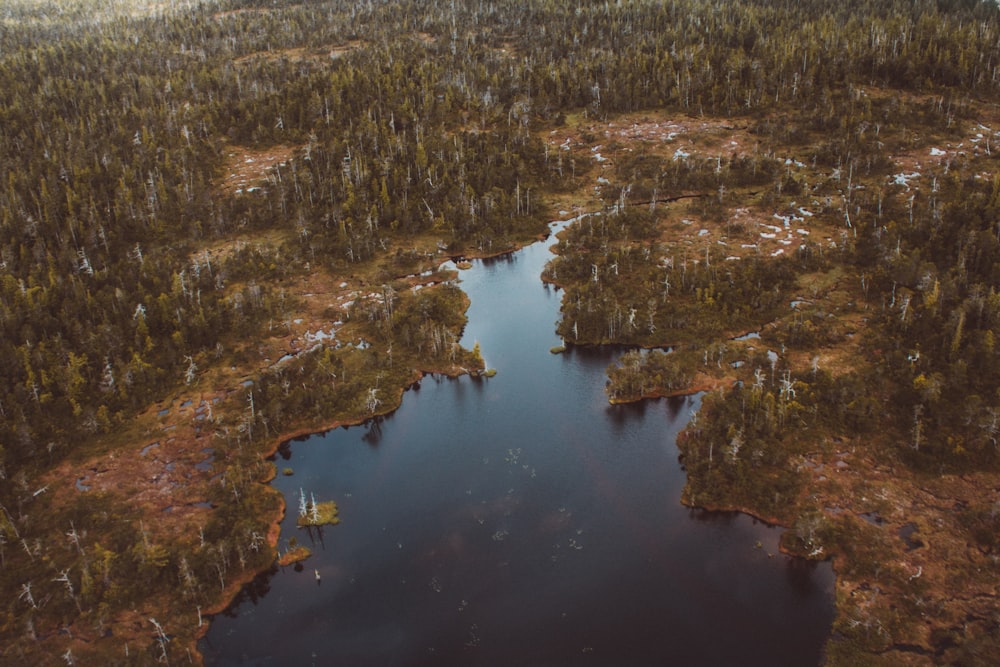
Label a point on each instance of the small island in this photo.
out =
(294, 555)
(313, 513)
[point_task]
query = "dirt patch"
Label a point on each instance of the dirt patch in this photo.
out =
(246, 10)
(301, 54)
(916, 169)
(922, 560)
(686, 137)
(167, 471)
(246, 169)
(662, 135)
(745, 229)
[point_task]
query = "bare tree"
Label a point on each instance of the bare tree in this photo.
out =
(63, 578)
(162, 639)
(373, 401)
(74, 537)
(26, 595)
(191, 373)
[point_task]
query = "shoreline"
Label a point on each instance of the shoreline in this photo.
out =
(232, 591)
(236, 586)
(705, 385)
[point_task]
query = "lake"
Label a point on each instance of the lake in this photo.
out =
(521, 520)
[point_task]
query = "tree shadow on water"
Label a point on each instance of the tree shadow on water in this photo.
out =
(316, 535)
(712, 516)
(620, 415)
(252, 592)
(373, 431)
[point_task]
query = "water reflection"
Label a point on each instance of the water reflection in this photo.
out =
(252, 593)
(620, 415)
(802, 577)
(373, 430)
(716, 518)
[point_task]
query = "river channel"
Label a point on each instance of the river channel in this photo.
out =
(521, 520)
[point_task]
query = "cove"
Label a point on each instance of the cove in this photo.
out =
(521, 520)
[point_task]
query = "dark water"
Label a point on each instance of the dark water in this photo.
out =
(521, 520)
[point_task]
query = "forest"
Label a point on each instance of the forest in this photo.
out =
(222, 222)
